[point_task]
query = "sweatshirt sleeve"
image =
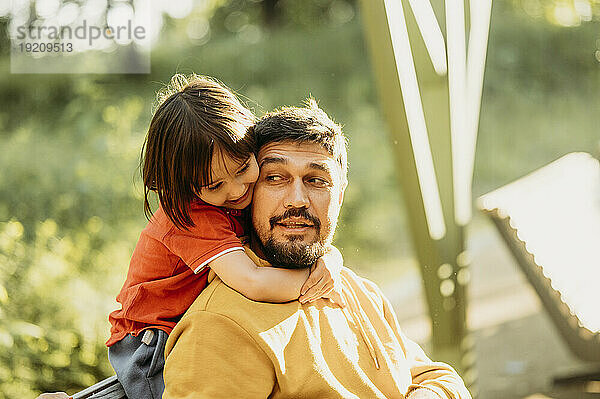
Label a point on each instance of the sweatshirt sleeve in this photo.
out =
(222, 361)
(435, 376)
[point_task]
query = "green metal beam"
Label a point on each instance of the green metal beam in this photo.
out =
(443, 261)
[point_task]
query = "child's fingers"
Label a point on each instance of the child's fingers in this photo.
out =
(313, 279)
(312, 292)
(318, 291)
(312, 283)
(315, 287)
(327, 292)
(336, 298)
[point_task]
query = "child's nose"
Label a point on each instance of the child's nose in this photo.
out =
(239, 190)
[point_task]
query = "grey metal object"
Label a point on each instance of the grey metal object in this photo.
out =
(550, 220)
(109, 388)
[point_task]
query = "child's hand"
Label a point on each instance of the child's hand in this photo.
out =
(323, 283)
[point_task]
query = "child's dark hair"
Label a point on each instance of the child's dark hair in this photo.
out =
(195, 115)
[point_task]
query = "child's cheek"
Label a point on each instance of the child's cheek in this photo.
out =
(255, 172)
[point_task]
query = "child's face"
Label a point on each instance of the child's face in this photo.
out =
(232, 182)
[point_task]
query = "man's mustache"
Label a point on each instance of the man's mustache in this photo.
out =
(296, 212)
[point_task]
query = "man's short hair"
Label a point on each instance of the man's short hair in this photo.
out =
(309, 124)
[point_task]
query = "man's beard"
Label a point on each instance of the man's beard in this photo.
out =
(292, 253)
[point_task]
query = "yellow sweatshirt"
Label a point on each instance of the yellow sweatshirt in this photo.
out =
(227, 346)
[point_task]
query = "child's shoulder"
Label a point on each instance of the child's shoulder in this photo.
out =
(203, 215)
(206, 212)
(159, 223)
(198, 211)
(202, 212)
(201, 206)
(209, 216)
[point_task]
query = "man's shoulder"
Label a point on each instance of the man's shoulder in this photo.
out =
(219, 299)
(363, 282)
(363, 287)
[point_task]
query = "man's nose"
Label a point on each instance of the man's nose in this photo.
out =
(296, 196)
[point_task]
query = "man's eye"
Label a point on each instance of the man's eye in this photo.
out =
(318, 182)
(273, 178)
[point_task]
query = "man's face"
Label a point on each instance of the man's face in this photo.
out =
(297, 201)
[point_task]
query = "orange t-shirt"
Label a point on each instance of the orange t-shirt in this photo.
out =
(168, 268)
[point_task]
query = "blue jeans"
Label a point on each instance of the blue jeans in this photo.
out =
(139, 362)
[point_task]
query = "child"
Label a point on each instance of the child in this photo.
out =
(200, 162)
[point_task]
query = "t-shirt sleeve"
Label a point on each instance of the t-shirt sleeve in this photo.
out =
(212, 236)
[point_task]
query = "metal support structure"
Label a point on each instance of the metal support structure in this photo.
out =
(109, 388)
(430, 91)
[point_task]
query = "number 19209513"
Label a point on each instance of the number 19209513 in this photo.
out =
(41, 47)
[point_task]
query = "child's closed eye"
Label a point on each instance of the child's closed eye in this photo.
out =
(214, 187)
(244, 168)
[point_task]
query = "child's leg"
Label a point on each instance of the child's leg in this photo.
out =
(139, 362)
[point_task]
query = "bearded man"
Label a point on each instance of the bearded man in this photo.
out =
(227, 346)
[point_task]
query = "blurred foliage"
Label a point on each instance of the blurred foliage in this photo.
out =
(70, 196)
(561, 12)
(541, 95)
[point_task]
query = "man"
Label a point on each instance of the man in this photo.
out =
(227, 346)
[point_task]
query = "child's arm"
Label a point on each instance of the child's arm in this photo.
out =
(325, 280)
(263, 284)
